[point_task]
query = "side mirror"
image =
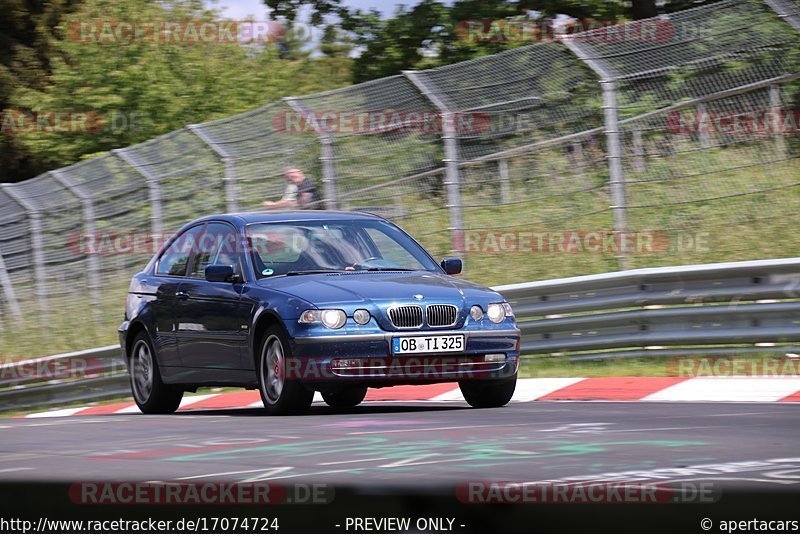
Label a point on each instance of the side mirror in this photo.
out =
(222, 273)
(451, 265)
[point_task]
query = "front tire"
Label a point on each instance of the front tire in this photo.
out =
(151, 394)
(280, 395)
(488, 393)
(348, 397)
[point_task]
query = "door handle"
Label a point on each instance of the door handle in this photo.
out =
(183, 295)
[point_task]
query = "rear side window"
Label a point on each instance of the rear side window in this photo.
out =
(176, 258)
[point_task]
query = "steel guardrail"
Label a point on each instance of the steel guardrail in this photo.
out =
(720, 308)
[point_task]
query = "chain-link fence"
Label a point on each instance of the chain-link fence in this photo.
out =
(665, 141)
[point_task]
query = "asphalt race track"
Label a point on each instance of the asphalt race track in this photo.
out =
(413, 449)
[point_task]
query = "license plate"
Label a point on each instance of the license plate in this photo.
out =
(427, 344)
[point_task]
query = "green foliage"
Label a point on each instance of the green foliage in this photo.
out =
(136, 89)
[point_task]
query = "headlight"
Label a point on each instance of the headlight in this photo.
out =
(361, 316)
(499, 311)
(476, 312)
(329, 318)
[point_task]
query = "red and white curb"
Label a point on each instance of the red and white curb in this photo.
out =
(645, 389)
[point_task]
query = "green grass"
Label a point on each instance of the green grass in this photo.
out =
(546, 195)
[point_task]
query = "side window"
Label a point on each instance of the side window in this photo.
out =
(218, 246)
(176, 258)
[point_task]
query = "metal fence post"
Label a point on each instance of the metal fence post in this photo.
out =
(8, 289)
(452, 179)
(230, 179)
(638, 149)
(776, 123)
(37, 248)
(702, 125)
(613, 145)
(327, 155)
(505, 191)
(616, 178)
(154, 188)
(92, 259)
(788, 12)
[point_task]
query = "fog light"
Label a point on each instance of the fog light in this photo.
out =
(361, 316)
(476, 312)
(494, 358)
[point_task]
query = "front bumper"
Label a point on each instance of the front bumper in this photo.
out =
(366, 358)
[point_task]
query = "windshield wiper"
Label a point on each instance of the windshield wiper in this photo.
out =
(312, 271)
(387, 269)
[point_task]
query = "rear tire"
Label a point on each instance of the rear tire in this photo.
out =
(488, 393)
(280, 395)
(151, 394)
(348, 397)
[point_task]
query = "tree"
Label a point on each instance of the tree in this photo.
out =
(132, 90)
(26, 30)
(431, 32)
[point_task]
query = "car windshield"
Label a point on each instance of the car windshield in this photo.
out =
(305, 247)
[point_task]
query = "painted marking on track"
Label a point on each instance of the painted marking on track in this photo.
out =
(736, 414)
(665, 428)
(56, 413)
(353, 461)
(313, 474)
(63, 422)
(437, 429)
(13, 469)
(407, 462)
(266, 475)
(226, 473)
(410, 461)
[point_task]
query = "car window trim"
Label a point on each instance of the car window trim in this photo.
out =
(166, 249)
(193, 257)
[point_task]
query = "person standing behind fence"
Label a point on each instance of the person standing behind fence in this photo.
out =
(300, 192)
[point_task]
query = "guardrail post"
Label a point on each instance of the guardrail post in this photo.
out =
(8, 289)
(452, 177)
(154, 188)
(327, 155)
(612, 132)
(230, 179)
(37, 248)
(92, 259)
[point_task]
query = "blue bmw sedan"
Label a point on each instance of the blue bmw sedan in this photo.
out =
(290, 303)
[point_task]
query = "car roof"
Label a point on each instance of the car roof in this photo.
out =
(290, 215)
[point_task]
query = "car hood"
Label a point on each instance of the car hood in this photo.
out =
(364, 287)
